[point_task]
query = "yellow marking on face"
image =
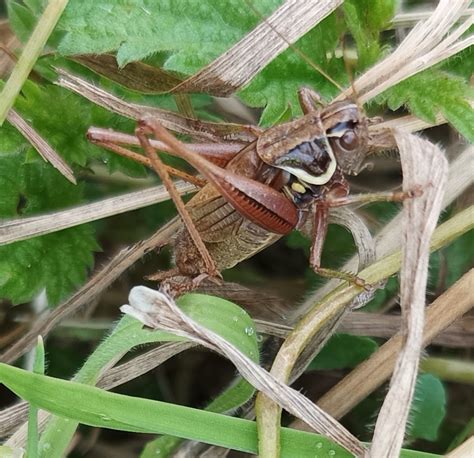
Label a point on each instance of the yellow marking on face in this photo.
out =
(298, 187)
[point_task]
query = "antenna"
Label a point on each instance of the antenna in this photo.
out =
(293, 47)
(349, 71)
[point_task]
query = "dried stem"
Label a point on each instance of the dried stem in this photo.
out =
(237, 66)
(427, 44)
(423, 163)
(24, 228)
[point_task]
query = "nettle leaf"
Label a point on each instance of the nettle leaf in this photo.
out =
(428, 408)
(194, 32)
(343, 351)
(21, 19)
(276, 86)
(57, 262)
(62, 118)
(433, 91)
(366, 19)
(461, 64)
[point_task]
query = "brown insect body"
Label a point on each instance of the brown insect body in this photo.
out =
(304, 160)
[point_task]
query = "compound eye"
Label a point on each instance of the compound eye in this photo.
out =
(349, 140)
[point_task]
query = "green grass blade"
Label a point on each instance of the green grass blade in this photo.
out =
(38, 368)
(99, 408)
(224, 317)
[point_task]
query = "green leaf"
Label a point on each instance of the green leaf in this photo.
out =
(433, 91)
(343, 351)
(224, 318)
(461, 64)
(366, 19)
(466, 432)
(62, 118)
(383, 295)
(57, 262)
(38, 368)
(221, 316)
(231, 398)
(276, 86)
(428, 408)
(194, 33)
(452, 261)
(23, 17)
(100, 408)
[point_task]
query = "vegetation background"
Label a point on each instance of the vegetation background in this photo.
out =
(181, 37)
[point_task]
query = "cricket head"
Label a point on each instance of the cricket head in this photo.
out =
(312, 147)
(347, 133)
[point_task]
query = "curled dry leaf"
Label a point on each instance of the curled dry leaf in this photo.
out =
(362, 237)
(137, 76)
(348, 218)
(158, 311)
(425, 167)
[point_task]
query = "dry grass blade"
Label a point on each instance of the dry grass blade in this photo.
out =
(100, 281)
(458, 335)
(237, 66)
(203, 130)
(12, 417)
(372, 373)
(381, 135)
(427, 44)
(24, 228)
(40, 145)
(410, 19)
(423, 164)
(158, 311)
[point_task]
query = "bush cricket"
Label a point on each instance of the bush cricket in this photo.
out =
(291, 175)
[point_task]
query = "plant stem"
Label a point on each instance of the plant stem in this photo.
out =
(30, 54)
(449, 369)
